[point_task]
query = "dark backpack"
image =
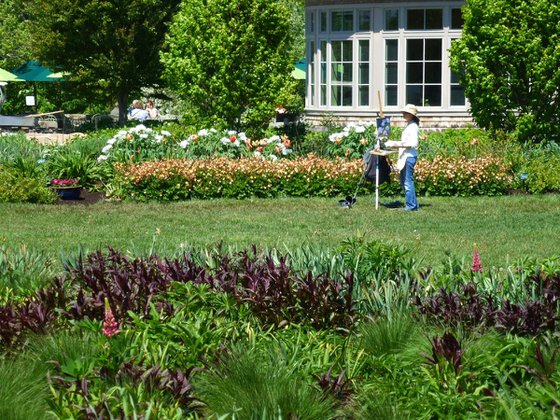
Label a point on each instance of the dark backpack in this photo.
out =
(385, 168)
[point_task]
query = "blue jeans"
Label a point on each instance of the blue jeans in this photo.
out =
(407, 181)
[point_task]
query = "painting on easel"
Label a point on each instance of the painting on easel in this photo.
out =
(383, 123)
(383, 126)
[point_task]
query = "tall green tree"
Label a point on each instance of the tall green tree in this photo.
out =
(16, 41)
(509, 61)
(230, 59)
(109, 47)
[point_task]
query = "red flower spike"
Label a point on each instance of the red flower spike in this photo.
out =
(110, 325)
(476, 264)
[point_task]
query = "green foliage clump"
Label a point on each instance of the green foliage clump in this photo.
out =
(509, 63)
(228, 58)
(18, 188)
(22, 272)
(261, 383)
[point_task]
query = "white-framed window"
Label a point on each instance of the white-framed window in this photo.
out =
(391, 72)
(363, 72)
(424, 19)
(342, 59)
(424, 63)
(398, 49)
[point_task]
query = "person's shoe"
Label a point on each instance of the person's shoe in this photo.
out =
(393, 204)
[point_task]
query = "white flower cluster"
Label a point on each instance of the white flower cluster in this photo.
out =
(349, 129)
(140, 131)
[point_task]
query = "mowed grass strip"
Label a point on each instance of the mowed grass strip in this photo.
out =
(504, 228)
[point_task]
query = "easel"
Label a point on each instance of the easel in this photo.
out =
(379, 152)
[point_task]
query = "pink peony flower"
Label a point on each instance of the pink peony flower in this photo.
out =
(474, 141)
(110, 325)
(476, 264)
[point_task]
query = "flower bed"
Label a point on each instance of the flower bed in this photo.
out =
(308, 176)
(238, 178)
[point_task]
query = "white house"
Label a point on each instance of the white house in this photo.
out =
(366, 55)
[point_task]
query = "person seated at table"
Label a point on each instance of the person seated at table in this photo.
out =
(137, 112)
(152, 110)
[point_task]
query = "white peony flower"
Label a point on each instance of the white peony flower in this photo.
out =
(165, 133)
(184, 143)
(203, 132)
(232, 133)
(101, 158)
(273, 158)
(225, 140)
(111, 141)
(107, 148)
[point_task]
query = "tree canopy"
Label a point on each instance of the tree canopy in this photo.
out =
(509, 61)
(110, 48)
(230, 59)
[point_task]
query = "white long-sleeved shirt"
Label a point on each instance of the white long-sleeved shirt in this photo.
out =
(407, 145)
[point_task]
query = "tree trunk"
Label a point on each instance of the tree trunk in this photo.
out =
(122, 100)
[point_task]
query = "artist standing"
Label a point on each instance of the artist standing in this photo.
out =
(408, 155)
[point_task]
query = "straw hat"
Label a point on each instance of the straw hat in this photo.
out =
(410, 109)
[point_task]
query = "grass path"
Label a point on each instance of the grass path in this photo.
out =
(503, 227)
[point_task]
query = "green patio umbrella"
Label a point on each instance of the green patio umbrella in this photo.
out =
(33, 71)
(299, 69)
(6, 76)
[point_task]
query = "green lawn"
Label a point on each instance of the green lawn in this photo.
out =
(505, 228)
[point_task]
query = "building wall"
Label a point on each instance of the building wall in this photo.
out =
(370, 56)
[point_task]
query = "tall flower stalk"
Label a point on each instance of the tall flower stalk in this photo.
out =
(110, 325)
(476, 264)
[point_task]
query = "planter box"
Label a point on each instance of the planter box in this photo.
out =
(69, 193)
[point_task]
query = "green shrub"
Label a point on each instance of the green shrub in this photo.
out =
(16, 188)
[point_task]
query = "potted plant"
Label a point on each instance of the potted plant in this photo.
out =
(67, 189)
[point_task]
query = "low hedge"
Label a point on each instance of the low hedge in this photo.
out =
(307, 176)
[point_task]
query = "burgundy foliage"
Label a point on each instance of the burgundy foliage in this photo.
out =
(273, 291)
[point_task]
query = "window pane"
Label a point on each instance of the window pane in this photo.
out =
(391, 73)
(456, 19)
(336, 51)
(364, 19)
(414, 72)
(363, 50)
(454, 77)
(347, 50)
(336, 100)
(311, 20)
(348, 21)
(336, 21)
(363, 96)
(432, 95)
(323, 21)
(433, 73)
(347, 72)
(363, 73)
(391, 50)
(415, 19)
(414, 49)
(433, 49)
(347, 96)
(323, 95)
(391, 19)
(414, 95)
(336, 72)
(391, 95)
(324, 73)
(457, 95)
(434, 19)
